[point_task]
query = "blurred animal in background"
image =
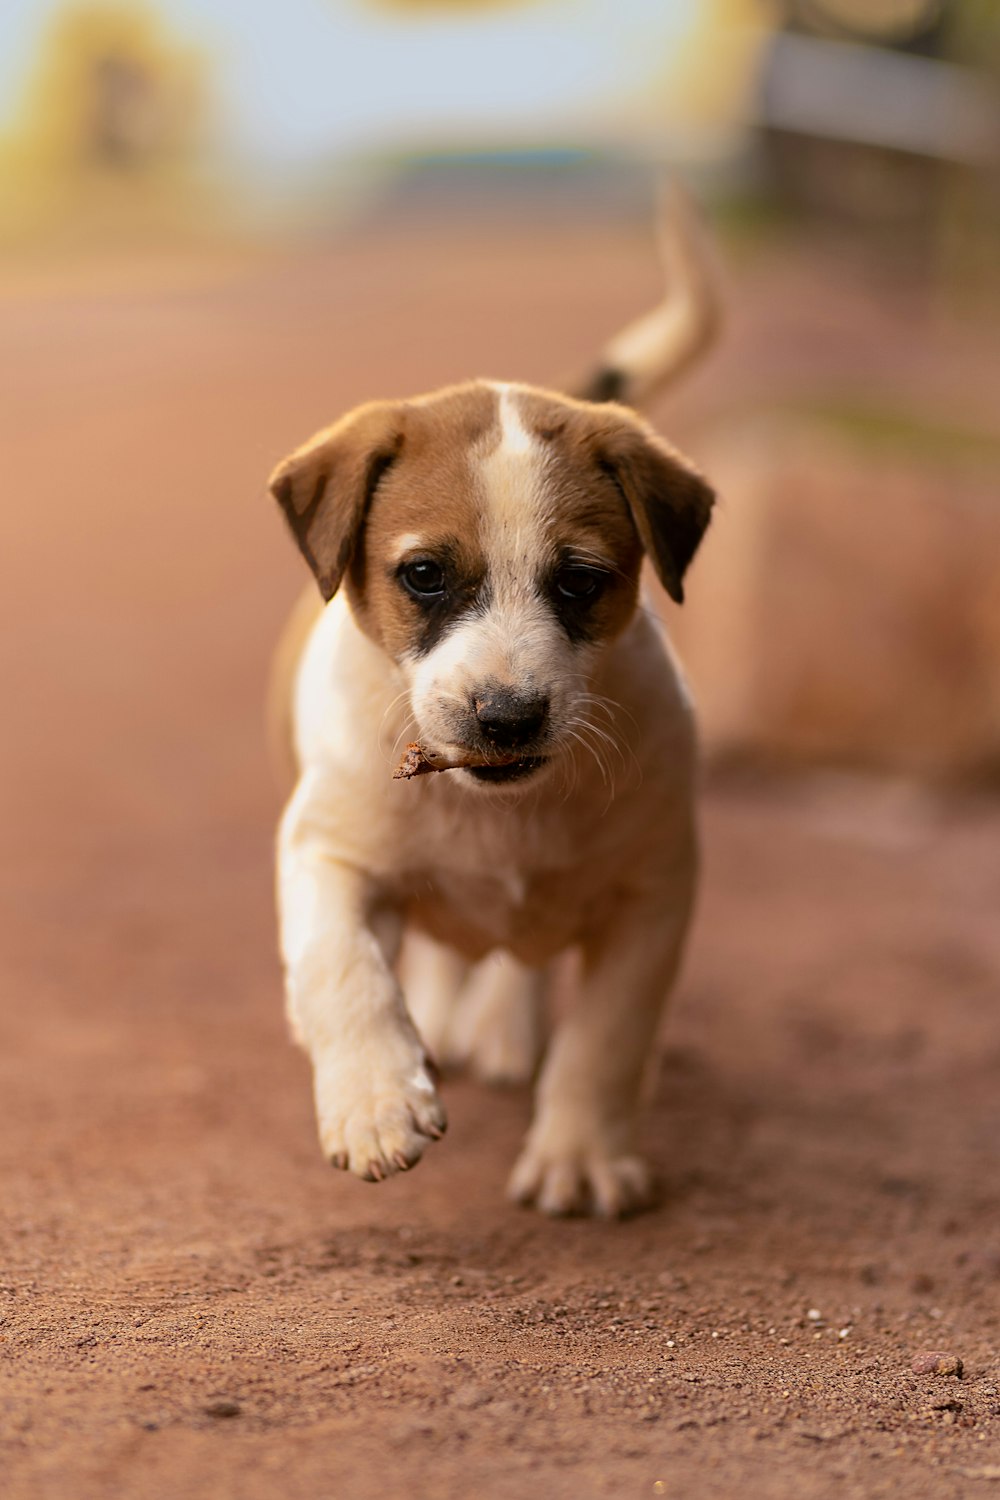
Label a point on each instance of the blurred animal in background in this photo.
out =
(478, 554)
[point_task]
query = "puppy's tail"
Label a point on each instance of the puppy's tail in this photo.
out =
(652, 351)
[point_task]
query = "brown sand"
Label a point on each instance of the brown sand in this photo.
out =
(191, 1303)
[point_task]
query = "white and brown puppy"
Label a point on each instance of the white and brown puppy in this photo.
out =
(479, 550)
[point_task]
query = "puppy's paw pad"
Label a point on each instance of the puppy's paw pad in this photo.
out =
(583, 1183)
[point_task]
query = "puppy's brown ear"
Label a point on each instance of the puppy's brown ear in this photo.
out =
(671, 503)
(324, 487)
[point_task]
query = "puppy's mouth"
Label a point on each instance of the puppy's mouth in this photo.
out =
(495, 770)
(512, 770)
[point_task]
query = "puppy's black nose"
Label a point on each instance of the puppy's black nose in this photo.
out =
(509, 719)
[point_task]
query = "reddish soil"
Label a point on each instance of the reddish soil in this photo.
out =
(191, 1303)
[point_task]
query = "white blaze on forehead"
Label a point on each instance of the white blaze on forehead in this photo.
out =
(410, 541)
(514, 436)
(517, 507)
(516, 638)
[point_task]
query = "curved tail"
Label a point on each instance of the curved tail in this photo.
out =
(650, 352)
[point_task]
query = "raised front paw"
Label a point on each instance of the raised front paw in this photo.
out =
(378, 1114)
(588, 1175)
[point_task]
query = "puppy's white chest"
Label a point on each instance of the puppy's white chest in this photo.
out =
(478, 914)
(479, 895)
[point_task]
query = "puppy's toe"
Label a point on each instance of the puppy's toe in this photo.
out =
(581, 1183)
(620, 1187)
(562, 1190)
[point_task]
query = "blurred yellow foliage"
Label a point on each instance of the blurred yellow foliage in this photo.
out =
(109, 126)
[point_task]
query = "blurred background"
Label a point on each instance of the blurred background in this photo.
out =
(221, 224)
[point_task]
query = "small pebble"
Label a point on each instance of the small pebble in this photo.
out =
(936, 1362)
(223, 1409)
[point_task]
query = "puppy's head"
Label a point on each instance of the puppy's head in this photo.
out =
(490, 539)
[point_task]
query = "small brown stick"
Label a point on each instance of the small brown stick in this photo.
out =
(414, 763)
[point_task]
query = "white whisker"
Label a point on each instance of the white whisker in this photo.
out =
(389, 709)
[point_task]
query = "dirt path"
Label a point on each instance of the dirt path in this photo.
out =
(191, 1304)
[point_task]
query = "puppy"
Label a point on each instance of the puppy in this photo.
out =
(478, 550)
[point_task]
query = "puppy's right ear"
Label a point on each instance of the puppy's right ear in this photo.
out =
(324, 487)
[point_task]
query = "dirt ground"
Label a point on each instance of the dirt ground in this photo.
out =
(191, 1303)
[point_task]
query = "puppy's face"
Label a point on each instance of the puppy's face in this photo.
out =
(490, 538)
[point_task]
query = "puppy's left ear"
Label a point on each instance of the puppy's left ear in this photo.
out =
(671, 503)
(324, 487)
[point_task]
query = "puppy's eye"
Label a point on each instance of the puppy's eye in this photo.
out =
(579, 583)
(423, 579)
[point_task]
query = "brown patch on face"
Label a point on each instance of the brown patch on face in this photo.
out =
(344, 504)
(590, 521)
(430, 492)
(609, 449)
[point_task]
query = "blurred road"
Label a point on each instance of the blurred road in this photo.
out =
(190, 1302)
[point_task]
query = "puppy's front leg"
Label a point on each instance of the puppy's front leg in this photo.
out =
(376, 1104)
(580, 1153)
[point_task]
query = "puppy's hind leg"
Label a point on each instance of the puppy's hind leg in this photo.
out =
(498, 1024)
(432, 977)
